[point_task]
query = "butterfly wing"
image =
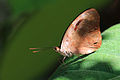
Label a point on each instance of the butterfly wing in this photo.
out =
(83, 36)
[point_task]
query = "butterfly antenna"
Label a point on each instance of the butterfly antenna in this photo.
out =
(36, 50)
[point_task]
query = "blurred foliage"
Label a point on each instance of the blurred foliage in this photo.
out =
(102, 65)
(36, 23)
(19, 7)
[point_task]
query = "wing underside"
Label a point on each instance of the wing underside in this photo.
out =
(83, 36)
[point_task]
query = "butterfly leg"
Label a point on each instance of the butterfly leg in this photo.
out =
(63, 59)
(70, 54)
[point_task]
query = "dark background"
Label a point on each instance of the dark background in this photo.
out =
(41, 23)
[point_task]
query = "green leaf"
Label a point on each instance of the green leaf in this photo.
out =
(104, 64)
(84, 75)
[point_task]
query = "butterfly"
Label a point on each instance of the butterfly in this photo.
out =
(83, 36)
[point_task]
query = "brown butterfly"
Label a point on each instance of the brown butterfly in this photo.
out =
(83, 36)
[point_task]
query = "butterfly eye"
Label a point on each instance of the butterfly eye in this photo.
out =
(57, 49)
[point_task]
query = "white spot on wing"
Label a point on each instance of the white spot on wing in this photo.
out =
(90, 50)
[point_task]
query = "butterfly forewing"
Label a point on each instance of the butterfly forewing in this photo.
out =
(83, 36)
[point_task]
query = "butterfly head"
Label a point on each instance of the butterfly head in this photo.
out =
(57, 49)
(64, 53)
